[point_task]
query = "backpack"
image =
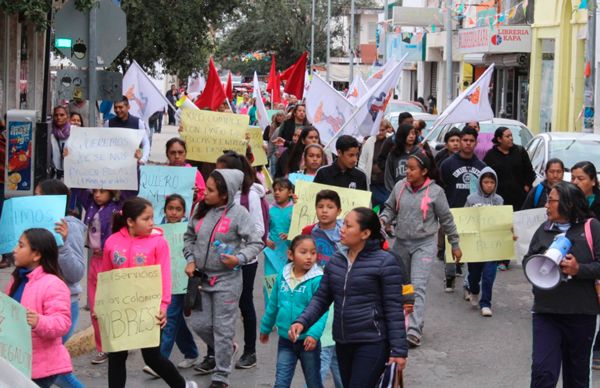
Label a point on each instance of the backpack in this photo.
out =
(264, 207)
(538, 194)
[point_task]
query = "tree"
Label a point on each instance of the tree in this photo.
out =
(36, 11)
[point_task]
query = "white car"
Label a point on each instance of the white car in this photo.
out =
(570, 147)
(521, 134)
(427, 117)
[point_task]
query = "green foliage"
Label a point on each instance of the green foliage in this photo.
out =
(36, 11)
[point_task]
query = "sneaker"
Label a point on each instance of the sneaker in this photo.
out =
(413, 340)
(188, 363)
(449, 285)
(218, 384)
(100, 358)
(207, 365)
(474, 300)
(247, 361)
(486, 312)
(146, 369)
(502, 267)
(190, 384)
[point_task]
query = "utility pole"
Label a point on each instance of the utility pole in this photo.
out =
(590, 81)
(351, 41)
(448, 51)
(385, 30)
(312, 38)
(92, 59)
(328, 37)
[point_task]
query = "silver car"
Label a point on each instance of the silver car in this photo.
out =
(570, 147)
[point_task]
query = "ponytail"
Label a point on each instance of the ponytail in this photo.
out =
(132, 208)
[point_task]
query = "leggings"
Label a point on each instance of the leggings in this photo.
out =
(247, 308)
(117, 370)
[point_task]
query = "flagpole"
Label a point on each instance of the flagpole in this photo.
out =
(328, 36)
(312, 38)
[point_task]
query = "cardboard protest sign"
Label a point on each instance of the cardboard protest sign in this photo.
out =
(208, 134)
(157, 182)
(295, 177)
(15, 335)
(305, 210)
(485, 233)
(256, 143)
(127, 303)
(102, 158)
(173, 233)
(22, 213)
(526, 222)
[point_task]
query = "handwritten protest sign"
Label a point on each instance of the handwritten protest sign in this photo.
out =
(295, 177)
(305, 211)
(102, 158)
(15, 334)
(208, 134)
(256, 143)
(173, 233)
(526, 222)
(485, 233)
(127, 303)
(22, 213)
(156, 182)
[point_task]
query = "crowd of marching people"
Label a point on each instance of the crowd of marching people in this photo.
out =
(364, 277)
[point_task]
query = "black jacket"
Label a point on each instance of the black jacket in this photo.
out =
(514, 172)
(367, 299)
(595, 206)
(543, 198)
(577, 295)
(332, 175)
(287, 131)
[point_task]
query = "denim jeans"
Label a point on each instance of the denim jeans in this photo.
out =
(486, 274)
(288, 353)
(329, 362)
(380, 194)
(177, 332)
(68, 380)
(361, 364)
(45, 382)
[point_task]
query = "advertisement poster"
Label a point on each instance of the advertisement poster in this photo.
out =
(19, 170)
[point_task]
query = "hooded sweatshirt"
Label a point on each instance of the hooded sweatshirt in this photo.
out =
(230, 224)
(419, 213)
(286, 303)
(124, 251)
(395, 167)
(70, 256)
(482, 199)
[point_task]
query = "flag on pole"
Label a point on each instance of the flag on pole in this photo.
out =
(378, 74)
(473, 104)
(229, 88)
(195, 86)
(213, 94)
(144, 98)
(326, 108)
(261, 112)
(295, 77)
(274, 84)
(357, 89)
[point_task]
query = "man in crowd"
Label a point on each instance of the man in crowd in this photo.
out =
(343, 172)
(125, 120)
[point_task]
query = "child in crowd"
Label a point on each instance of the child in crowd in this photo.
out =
(136, 242)
(37, 284)
(482, 272)
(326, 234)
(313, 158)
(220, 238)
(280, 218)
(176, 330)
(99, 206)
(293, 289)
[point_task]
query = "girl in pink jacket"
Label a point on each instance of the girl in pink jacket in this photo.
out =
(37, 284)
(136, 242)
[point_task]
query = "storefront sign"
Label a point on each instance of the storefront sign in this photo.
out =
(503, 39)
(402, 43)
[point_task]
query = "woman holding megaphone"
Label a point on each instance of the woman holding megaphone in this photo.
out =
(561, 264)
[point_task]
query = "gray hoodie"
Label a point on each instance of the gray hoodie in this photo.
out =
(70, 256)
(480, 198)
(231, 224)
(419, 214)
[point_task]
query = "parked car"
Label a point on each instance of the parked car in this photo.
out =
(570, 147)
(521, 134)
(428, 118)
(403, 106)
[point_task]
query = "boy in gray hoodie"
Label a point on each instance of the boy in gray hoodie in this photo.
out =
(220, 238)
(483, 272)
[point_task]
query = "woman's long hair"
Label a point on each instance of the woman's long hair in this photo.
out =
(235, 161)
(295, 159)
(400, 139)
(572, 203)
(203, 208)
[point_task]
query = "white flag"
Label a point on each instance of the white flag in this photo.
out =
(326, 108)
(144, 98)
(357, 89)
(195, 86)
(261, 111)
(471, 105)
(306, 82)
(379, 73)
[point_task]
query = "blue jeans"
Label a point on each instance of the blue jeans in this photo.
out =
(69, 380)
(329, 362)
(45, 382)
(176, 331)
(380, 194)
(486, 274)
(361, 364)
(288, 353)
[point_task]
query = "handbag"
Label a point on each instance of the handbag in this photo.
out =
(391, 377)
(193, 295)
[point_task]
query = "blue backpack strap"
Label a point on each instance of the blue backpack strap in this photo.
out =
(538, 194)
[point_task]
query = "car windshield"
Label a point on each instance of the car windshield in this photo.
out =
(572, 151)
(402, 107)
(521, 135)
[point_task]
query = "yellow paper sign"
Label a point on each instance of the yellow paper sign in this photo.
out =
(127, 302)
(305, 210)
(485, 233)
(256, 143)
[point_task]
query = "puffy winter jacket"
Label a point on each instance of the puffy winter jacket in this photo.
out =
(367, 297)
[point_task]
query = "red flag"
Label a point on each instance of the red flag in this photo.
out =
(229, 88)
(213, 94)
(276, 93)
(272, 75)
(295, 77)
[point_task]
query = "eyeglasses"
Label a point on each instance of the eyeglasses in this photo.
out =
(553, 200)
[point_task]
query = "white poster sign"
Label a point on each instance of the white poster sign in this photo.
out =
(525, 223)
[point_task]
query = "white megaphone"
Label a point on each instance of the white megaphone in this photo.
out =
(543, 271)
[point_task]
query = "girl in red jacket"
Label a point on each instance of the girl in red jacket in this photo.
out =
(37, 284)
